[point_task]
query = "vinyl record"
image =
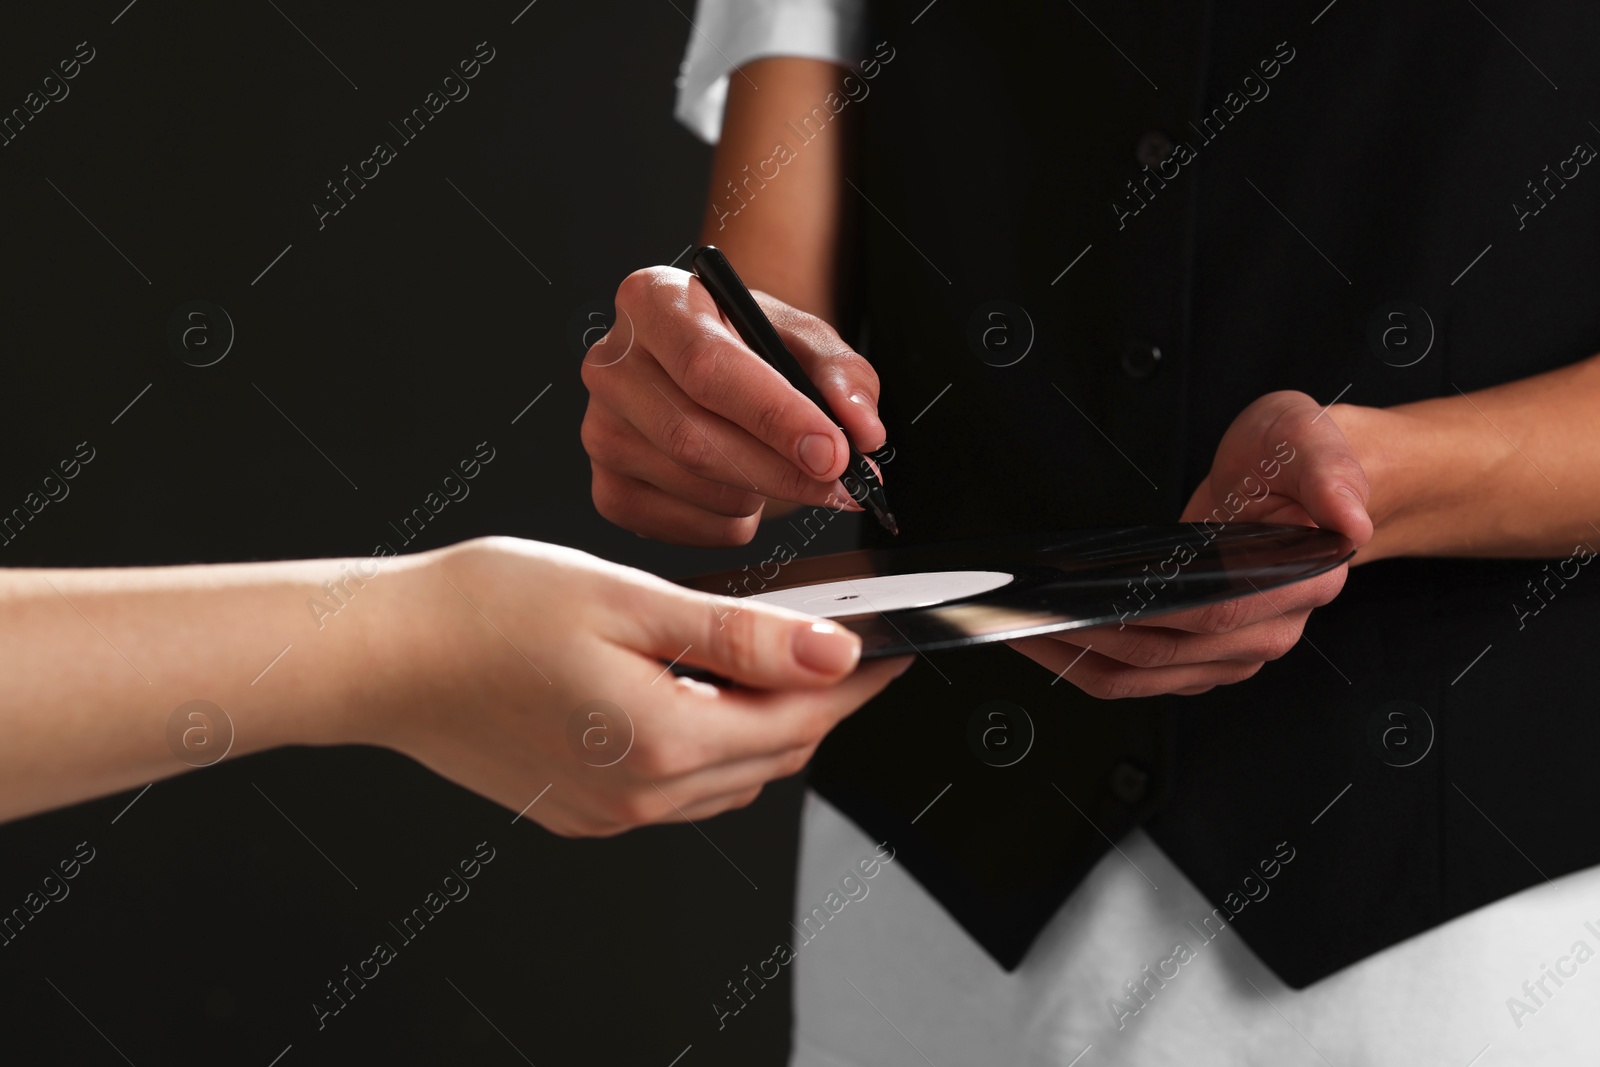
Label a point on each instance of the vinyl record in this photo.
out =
(927, 598)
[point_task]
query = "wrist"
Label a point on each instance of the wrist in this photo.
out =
(396, 654)
(1400, 451)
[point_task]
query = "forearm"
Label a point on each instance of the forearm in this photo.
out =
(1510, 471)
(97, 664)
(776, 203)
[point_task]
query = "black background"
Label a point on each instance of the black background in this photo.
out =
(396, 337)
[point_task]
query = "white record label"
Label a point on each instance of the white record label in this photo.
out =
(887, 592)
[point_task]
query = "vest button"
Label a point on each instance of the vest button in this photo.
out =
(1152, 148)
(1129, 782)
(1140, 361)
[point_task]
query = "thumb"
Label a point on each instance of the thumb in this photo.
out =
(742, 641)
(1326, 478)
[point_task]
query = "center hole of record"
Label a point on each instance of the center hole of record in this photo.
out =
(884, 592)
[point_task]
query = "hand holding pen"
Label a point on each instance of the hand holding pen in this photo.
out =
(690, 432)
(717, 275)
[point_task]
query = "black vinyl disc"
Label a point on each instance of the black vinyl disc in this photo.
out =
(927, 598)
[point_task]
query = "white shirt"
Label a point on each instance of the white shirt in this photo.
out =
(891, 979)
(728, 34)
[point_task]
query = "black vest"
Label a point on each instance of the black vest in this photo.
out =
(1183, 206)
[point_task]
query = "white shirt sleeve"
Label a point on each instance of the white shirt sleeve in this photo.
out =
(730, 33)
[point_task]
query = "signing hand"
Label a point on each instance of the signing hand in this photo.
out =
(689, 432)
(1283, 460)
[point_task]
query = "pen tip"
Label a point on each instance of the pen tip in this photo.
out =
(890, 524)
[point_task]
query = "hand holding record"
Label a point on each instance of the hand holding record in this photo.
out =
(1282, 461)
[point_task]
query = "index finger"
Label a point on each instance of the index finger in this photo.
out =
(718, 371)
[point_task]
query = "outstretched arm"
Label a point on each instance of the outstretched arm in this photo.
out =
(477, 660)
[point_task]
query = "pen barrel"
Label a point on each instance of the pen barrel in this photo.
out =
(757, 331)
(752, 324)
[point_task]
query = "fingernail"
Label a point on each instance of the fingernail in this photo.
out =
(842, 500)
(826, 648)
(816, 452)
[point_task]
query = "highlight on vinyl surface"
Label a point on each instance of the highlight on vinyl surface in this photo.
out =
(925, 598)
